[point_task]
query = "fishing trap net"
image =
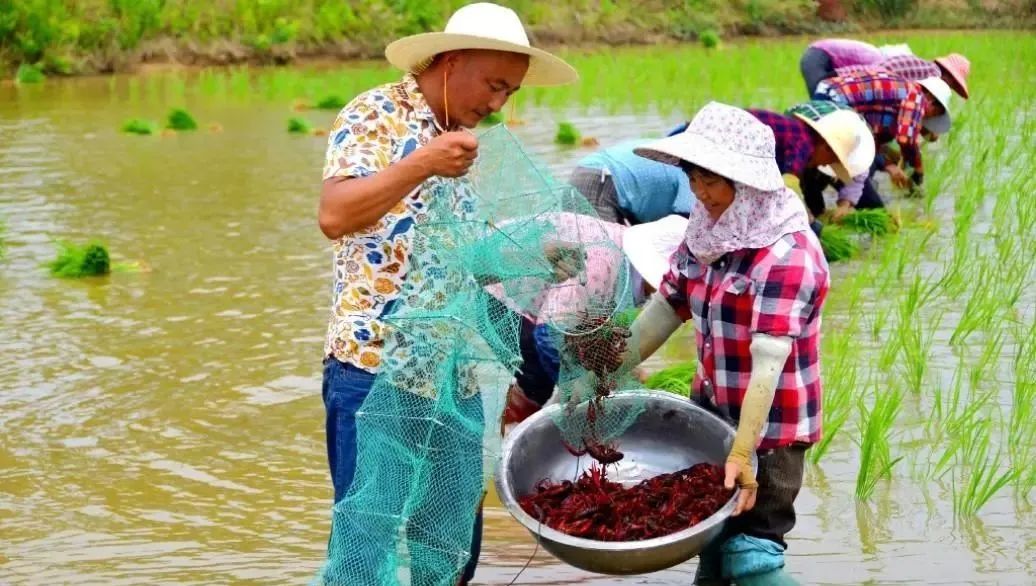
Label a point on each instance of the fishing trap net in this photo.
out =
(507, 243)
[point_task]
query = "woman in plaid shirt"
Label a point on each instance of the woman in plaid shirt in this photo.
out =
(752, 276)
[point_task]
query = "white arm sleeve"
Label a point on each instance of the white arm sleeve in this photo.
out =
(656, 322)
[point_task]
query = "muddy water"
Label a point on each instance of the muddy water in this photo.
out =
(166, 427)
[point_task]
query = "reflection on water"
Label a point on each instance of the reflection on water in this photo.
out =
(166, 427)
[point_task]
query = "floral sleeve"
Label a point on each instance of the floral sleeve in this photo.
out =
(360, 142)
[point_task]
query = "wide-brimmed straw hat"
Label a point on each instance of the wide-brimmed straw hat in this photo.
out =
(959, 68)
(649, 246)
(844, 131)
(481, 25)
(941, 91)
(727, 141)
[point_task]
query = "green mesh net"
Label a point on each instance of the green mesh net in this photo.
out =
(507, 243)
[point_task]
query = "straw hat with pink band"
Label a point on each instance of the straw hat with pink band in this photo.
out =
(956, 67)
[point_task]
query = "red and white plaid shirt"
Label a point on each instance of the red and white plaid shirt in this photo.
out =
(909, 67)
(778, 290)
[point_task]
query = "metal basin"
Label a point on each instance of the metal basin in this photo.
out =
(670, 434)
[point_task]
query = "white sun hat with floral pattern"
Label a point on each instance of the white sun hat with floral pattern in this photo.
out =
(727, 141)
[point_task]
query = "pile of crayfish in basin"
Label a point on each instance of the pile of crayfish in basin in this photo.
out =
(596, 508)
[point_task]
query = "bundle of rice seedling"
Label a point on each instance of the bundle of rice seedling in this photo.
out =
(299, 126)
(675, 379)
(331, 103)
(74, 261)
(180, 119)
(875, 221)
(139, 126)
(567, 134)
(838, 244)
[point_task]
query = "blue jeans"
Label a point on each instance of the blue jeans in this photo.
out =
(345, 388)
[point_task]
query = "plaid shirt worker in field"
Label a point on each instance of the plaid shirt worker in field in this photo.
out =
(777, 291)
(953, 69)
(752, 276)
(897, 110)
(814, 134)
(909, 67)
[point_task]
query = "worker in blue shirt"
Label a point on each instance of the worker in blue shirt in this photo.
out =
(628, 189)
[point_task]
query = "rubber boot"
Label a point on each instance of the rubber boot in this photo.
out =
(754, 561)
(710, 567)
(771, 578)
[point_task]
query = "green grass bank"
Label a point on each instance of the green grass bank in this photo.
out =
(65, 37)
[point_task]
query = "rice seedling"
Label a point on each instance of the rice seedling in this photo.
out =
(919, 294)
(908, 248)
(916, 345)
(876, 461)
(180, 120)
(139, 126)
(331, 103)
(991, 349)
(1012, 280)
(567, 134)
(28, 74)
(1021, 434)
(875, 221)
(675, 379)
(298, 125)
(966, 411)
(839, 387)
(838, 244)
(954, 280)
(879, 318)
(979, 474)
(978, 311)
(74, 261)
(889, 353)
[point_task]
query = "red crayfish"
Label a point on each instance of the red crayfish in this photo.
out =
(594, 507)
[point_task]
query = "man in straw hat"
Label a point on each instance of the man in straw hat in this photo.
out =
(896, 110)
(752, 276)
(385, 148)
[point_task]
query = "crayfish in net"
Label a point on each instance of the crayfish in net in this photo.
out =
(603, 452)
(599, 346)
(595, 508)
